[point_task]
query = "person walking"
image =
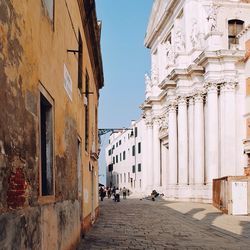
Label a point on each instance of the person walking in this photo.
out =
(117, 195)
(102, 193)
(124, 193)
(109, 192)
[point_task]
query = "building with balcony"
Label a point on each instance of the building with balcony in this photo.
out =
(196, 99)
(50, 76)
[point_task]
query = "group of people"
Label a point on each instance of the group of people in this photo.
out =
(115, 191)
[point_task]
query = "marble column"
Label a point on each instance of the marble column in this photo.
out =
(182, 141)
(150, 165)
(212, 138)
(156, 153)
(228, 129)
(191, 141)
(172, 144)
(198, 139)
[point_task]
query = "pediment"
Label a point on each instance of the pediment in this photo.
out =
(159, 7)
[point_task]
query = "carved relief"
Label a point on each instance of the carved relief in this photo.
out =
(196, 37)
(170, 53)
(179, 40)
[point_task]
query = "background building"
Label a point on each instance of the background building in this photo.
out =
(196, 105)
(125, 164)
(50, 76)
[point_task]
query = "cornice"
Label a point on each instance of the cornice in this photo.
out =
(177, 74)
(145, 106)
(152, 32)
(167, 84)
(234, 55)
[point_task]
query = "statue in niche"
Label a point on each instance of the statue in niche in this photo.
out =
(148, 84)
(170, 53)
(154, 76)
(212, 18)
(179, 41)
(194, 37)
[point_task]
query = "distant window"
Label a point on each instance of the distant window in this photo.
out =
(124, 177)
(139, 167)
(116, 158)
(124, 155)
(136, 131)
(120, 156)
(79, 164)
(128, 176)
(113, 160)
(133, 150)
(120, 142)
(49, 5)
(139, 148)
(117, 144)
(121, 178)
(46, 139)
(87, 111)
(80, 63)
(133, 169)
(110, 152)
(235, 26)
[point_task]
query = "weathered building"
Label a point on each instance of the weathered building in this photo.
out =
(50, 76)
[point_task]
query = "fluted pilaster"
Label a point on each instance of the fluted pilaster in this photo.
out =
(182, 141)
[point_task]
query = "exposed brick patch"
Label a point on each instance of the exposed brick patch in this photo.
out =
(247, 171)
(248, 127)
(247, 45)
(17, 188)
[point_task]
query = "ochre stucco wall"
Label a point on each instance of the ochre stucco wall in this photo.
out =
(33, 51)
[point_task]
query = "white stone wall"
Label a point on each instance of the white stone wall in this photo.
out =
(195, 103)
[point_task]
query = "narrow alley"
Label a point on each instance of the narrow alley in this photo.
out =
(144, 224)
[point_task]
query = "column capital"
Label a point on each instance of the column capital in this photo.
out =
(191, 100)
(228, 86)
(198, 98)
(182, 100)
(157, 120)
(212, 87)
(172, 107)
(149, 122)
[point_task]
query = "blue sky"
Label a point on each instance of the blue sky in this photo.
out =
(125, 61)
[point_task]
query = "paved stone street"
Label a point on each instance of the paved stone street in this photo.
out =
(144, 224)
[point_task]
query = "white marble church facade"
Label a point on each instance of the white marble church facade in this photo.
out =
(195, 96)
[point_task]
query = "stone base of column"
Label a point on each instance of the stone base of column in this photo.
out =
(195, 193)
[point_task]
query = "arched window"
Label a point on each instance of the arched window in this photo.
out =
(235, 26)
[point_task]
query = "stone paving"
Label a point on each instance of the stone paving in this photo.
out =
(144, 224)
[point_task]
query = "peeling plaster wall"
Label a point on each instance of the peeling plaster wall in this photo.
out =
(33, 51)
